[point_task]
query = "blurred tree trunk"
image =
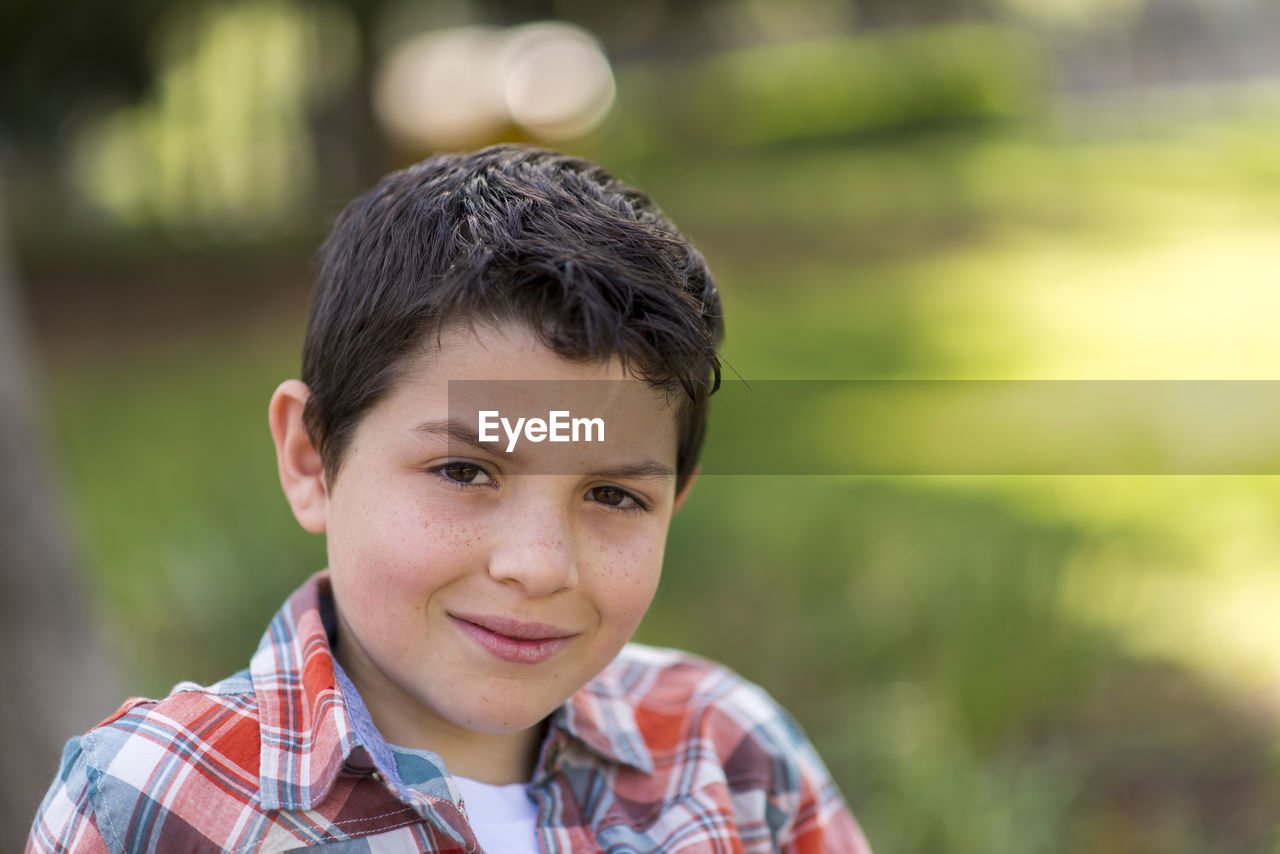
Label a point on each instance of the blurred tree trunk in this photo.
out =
(54, 680)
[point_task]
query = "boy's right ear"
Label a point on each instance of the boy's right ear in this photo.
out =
(301, 469)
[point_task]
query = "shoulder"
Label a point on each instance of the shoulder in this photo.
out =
(660, 678)
(650, 674)
(159, 752)
(145, 733)
(678, 697)
(714, 731)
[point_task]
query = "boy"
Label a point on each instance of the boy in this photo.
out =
(460, 677)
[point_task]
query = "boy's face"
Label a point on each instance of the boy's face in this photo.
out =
(475, 590)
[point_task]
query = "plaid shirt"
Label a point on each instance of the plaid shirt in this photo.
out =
(661, 752)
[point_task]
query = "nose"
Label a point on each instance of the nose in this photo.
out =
(536, 550)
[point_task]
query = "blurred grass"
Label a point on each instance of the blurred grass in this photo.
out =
(183, 526)
(987, 664)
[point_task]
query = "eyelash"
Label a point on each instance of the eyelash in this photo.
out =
(440, 473)
(637, 506)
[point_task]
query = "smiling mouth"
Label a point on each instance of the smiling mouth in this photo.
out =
(514, 641)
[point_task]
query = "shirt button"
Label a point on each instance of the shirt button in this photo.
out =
(377, 778)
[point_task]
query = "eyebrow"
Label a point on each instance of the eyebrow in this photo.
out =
(458, 431)
(455, 430)
(646, 470)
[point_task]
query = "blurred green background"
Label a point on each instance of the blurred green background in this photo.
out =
(974, 189)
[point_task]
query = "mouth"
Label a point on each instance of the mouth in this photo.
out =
(513, 640)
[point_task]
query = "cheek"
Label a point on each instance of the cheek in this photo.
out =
(378, 541)
(627, 579)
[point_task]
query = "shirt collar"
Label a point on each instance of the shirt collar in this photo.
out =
(602, 717)
(306, 730)
(309, 729)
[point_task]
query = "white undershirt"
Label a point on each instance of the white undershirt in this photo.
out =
(504, 818)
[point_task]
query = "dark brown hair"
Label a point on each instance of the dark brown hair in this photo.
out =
(511, 233)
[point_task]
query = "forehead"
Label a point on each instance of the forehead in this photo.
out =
(499, 375)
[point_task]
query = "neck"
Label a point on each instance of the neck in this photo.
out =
(487, 757)
(496, 758)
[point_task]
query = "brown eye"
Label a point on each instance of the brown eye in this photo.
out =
(609, 495)
(616, 498)
(462, 472)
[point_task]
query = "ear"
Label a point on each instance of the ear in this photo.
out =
(301, 470)
(688, 485)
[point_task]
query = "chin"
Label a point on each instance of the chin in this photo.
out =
(501, 721)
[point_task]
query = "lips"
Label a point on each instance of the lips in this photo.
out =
(514, 641)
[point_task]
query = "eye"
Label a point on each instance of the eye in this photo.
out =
(616, 498)
(461, 473)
